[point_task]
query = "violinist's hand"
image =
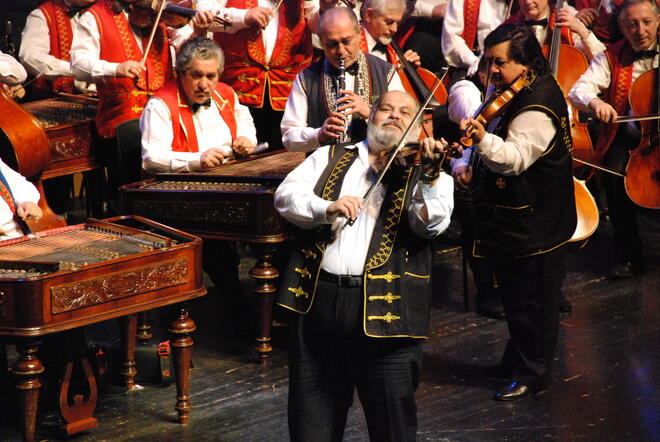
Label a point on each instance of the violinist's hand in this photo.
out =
(212, 157)
(352, 103)
(332, 127)
(412, 57)
(259, 16)
(202, 21)
(463, 176)
(129, 69)
(587, 16)
(346, 206)
(29, 210)
(432, 148)
(565, 18)
(604, 111)
(243, 146)
(476, 132)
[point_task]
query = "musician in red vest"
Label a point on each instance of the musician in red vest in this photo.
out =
(603, 90)
(467, 22)
(46, 43)
(542, 18)
(195, 122)
(380, 21)
(264, 50)
(599, 15)
(19, 199)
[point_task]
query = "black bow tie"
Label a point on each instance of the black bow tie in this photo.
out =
(73, 10)
(352, 69)
(543, 22)
(195, 107)
(648, 53)
(379, 47)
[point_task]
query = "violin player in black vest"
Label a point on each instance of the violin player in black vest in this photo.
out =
(525, 207)
(362, 291)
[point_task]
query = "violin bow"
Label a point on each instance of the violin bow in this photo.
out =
(145, 51)
(402, 141)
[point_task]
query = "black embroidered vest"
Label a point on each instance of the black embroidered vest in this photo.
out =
(397, 271)
(533, 212)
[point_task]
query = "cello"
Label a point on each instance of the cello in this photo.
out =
(573, 64)
(24, 147)
(642, 179)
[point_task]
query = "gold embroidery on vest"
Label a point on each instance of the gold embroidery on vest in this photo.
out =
(389, 298)
(308, 253)
(299, 292)
(304, 273)
(337, 173)
(389, 276)
(389, 317)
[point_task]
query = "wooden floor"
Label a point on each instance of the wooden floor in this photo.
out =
(606, 380)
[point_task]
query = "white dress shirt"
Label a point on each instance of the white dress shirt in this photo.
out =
(11, 71)
(529, 135)
(591, 46)
(296, 135)
(211, 130)
(598, 76)
(295, 200)
(237, 18)
(456, 51)
(23, 191)
(86, 63)
(35, 51)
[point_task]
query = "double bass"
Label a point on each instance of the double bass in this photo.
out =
(642, 179)
(568, 64)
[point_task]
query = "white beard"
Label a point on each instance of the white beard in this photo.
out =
(379, 138)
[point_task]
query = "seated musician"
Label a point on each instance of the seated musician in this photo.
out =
(19, 199)
(542, 17)
(12, 74)
(599, 15)
(195, 122)
(46, 43)
(603, 90)
(350, 335)
(314, 114)
(380, 21)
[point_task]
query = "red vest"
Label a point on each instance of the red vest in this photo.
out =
(185, 136)
(602, 24)
(470, 22)
(620, 59)
(61, 36)
(566, 34)
(122, 99)
(246, 70)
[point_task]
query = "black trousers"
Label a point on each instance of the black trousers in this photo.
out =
(530, 289)
(621, 209)
(330, 357)
(267, 122)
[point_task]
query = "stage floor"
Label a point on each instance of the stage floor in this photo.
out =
(606, 380)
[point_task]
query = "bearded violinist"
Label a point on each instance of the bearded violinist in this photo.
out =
(338, 345)
(603, 90)
(46, 44)
(525, 208)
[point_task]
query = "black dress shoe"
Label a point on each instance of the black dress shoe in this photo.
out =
(513, 392)
(564, 304)
(622, 271)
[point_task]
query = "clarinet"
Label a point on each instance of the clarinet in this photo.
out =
(341, 85)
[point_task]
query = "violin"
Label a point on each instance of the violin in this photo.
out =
(642, 179)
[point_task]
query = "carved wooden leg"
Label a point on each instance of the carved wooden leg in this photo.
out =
(144, 328)
(128, 325)
(182, 344)
(28, 368)
(264, 275)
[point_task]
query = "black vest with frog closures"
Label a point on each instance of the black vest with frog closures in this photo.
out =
(534, 212)
(397, 272)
